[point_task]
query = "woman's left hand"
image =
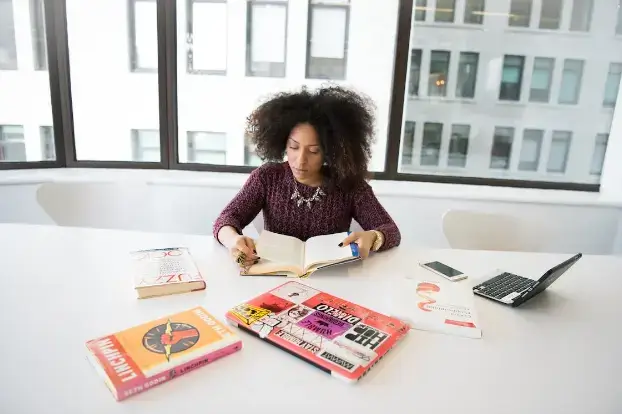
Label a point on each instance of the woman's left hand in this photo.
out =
(364, 239)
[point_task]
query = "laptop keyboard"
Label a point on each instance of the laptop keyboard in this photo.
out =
(502, 285)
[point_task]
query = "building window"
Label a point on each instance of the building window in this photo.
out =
(619, 25)
(415, 72)
(207, 147)
(458, 146)
(266, 38)
(48, 150)
(445, 11)
(612, 85)
(530, 150)
(598, 157)
(144, 35)
(581, 18)
(439, 69)
(474, 11)
(520, 13)
(206, 37)
(467, 74)
(420, 9)
(511, 78)
(12, 145)
(146, 145)
(431, 145)
(408, 143)
(39, 47)
(8, 53)
(558, 155)
(327, 45)
(501, 148)
(541, 78)
(571, 82)
(551, 14)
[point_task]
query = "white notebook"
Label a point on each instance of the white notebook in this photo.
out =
(446, 307)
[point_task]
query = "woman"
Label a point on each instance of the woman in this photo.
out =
(327, 137)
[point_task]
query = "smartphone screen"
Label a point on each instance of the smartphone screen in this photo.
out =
(443, 268)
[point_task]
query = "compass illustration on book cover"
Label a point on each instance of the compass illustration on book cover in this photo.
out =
(170, 338)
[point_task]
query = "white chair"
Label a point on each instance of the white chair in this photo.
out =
(472, 230)
(97, 205)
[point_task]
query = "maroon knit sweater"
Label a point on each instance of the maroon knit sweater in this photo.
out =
(270, 187)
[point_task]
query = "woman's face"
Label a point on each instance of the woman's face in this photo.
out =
(303, 152)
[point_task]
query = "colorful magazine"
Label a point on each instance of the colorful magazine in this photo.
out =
(141, 357)
(337, 336)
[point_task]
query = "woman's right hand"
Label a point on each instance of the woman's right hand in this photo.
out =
(243, 251)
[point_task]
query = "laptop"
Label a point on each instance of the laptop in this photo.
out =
(339, 337)
(514, 290)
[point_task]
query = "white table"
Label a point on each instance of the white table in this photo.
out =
(559, 353)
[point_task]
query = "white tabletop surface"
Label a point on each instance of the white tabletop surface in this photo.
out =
(559, 353)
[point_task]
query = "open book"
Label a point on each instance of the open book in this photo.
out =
(288, 256)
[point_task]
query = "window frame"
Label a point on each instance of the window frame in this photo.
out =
(59, 70)
(346, 38)
(249, 36)
(189, 32)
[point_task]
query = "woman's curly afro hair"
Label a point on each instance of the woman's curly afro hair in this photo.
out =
(342, 118)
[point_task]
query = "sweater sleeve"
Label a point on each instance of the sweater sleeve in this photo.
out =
(370, 214)
(245, 206)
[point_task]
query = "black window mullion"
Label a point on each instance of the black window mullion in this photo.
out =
(167, 81)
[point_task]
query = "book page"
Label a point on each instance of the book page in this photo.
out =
(325, 249)
(280, 249)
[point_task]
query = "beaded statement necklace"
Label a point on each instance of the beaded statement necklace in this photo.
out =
(300, 200)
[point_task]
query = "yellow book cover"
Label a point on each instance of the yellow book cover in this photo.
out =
(149, 354)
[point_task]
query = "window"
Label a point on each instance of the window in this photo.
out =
(474, 11)
(327, 45)
(415, 72)
(570, 88)
(581, 15)
(501, 148)
(511, 78)
(520, 13)
(431, 145)
(207, 147)
(612, 85)
(420, 9)
(144, 35)
(12, 144)
(266, 38)
(8, 54)
(458, 146)
(598, 157)
(558, 155)
(251, 158)
(109, 100)
(619, 25)
(551, 14)
(145, 145)
(408, 143)
(39, 47)
(445, 10)
(439, 69)
(541, 79)
(467, 74)
(206, 37)
(48, 150)
(530, 150)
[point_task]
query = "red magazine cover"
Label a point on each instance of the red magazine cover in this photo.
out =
(333, 334)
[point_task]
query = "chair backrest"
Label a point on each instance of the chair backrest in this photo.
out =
(98, 205)
(472, 230)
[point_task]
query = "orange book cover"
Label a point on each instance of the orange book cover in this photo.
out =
(143, 356)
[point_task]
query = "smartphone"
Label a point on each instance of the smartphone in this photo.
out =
(443, 270)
